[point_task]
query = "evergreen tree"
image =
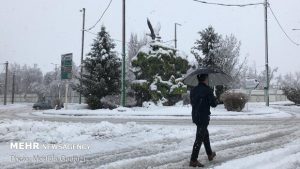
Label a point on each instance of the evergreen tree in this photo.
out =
(214, 51)
(206, 46)
(222, 53)
(159, 71)
(101, 76)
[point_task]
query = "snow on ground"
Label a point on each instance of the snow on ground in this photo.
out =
(75, 106)
(252, 110)
(287, 157)
(160, 146)
(243, 142)
(57, 132)
(100, 137)
(132, 145)
(14, 106)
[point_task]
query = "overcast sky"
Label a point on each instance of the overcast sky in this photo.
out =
(39, 31)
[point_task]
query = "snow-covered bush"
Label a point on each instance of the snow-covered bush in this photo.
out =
(291, 86)
(112, 101)
(234, 101)
(159, 71)
(93, 102)
(293, 94)
(148, 104)
(141, 91)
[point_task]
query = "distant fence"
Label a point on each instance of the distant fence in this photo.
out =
(20, 98)
(259, 95)
(73, 97)
(33, 98)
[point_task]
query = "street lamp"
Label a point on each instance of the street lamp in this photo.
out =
(123, 92)
(296, 29)
(82, 48)
(176, 33)
(266, 88)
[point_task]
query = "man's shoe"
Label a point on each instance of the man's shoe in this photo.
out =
(196, 164)
(212, 156)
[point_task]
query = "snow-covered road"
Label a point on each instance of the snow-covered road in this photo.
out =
(155, 143)
(157, 115)
(169, 147)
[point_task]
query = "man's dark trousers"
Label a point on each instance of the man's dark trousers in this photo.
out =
(202, 135)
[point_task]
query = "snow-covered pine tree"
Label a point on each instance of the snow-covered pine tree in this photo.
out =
(159, 72)
(101, 76)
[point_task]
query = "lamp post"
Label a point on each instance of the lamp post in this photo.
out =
(123, 94)
(266, 88)
(176, 33)
(82, 48)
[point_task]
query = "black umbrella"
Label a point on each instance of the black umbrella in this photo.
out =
(215, 76)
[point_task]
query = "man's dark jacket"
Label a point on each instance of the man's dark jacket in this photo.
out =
(202, 98)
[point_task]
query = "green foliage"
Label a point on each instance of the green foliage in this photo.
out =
(179, 90)
(141, 92)
(213, 50)
(155, 96)
(93, 102)
(101, 74)
(208, 43)
(234, 101)
(162, 69)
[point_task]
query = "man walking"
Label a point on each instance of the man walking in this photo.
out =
(202, 98)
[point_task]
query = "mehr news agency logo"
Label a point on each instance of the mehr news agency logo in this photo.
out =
(50, 157)
(39, 146)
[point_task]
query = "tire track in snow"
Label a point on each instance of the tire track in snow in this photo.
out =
(159, 160)
(161, 147)
(98, 159)
(230, 152)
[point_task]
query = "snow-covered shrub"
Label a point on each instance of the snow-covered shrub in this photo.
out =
(112, 101)
(290, 84)
(293, 94)
(161, 69)
(93, 102)
(141, 91)
(234, 101)
(149, 104)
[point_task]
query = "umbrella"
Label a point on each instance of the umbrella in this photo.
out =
(215, 77)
